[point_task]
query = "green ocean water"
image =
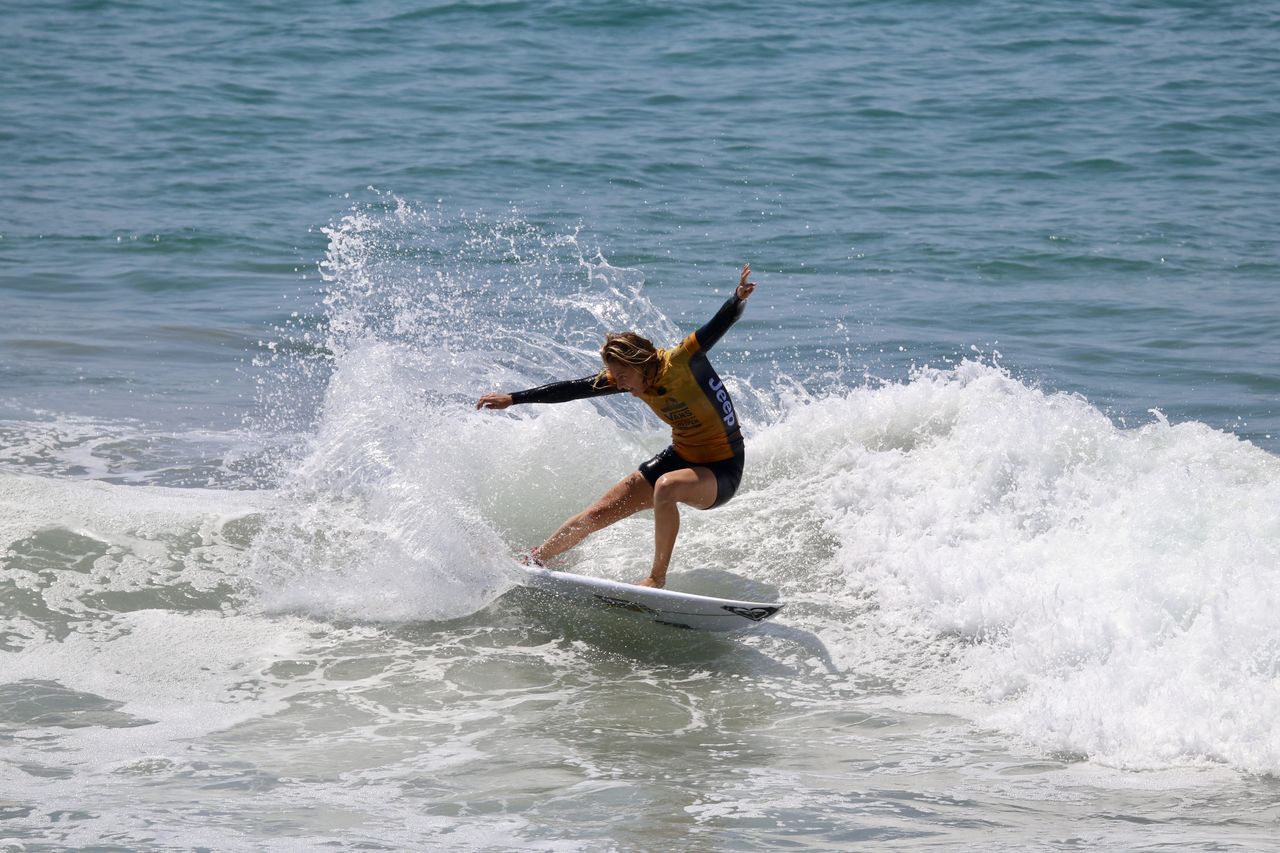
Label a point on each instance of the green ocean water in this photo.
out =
(1009, 386)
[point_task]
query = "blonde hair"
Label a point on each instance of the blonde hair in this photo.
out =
(630, 349)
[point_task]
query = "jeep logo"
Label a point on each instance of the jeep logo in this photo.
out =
(722, 397)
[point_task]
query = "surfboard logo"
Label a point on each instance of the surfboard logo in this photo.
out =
(755, 614)
(624, 604)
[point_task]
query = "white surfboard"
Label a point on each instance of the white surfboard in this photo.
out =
(664, 606)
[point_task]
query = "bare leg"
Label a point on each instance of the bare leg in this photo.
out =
(627, 498)
(693, 486)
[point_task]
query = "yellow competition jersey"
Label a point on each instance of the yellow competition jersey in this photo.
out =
(692, 400)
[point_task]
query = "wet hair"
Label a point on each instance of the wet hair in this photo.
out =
(630, 349)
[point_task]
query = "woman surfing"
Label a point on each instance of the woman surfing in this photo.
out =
(703, 465)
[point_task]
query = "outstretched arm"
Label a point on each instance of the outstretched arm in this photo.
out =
(554, 392)
(729, 313)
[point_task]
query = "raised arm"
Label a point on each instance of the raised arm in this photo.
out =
(729, 313)
(553, 392)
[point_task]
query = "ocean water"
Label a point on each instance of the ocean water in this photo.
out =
(1009, 385)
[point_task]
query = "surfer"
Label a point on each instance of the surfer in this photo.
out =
(703, 465)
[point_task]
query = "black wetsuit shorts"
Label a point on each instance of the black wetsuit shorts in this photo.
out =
(728, 472)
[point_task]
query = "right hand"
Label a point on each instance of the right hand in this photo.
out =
(494, 401)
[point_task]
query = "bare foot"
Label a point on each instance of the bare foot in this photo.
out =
(656, 583)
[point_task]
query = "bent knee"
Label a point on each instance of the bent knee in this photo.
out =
(666, 489)
(672, 488)
(696, 487)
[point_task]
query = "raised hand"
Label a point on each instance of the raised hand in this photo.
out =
(745, 288)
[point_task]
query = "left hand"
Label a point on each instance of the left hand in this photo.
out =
(745, 288)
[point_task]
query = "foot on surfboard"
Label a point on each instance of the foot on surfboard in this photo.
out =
(530, 558)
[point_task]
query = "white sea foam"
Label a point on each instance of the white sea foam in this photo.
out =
(108, 512)
(1096, 590)
(70, 542)
(380, 519)
(127, 452)
(179, 675)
